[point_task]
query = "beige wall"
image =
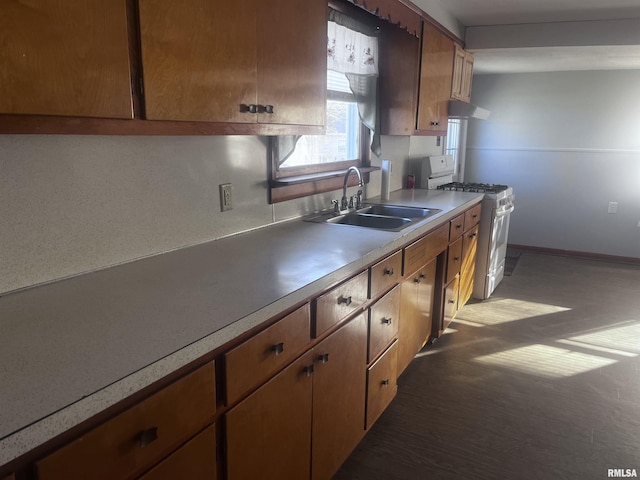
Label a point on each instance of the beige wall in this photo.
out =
(74, 204)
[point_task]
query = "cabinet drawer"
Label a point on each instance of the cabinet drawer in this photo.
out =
(419, 253)
(385, 274)
(196, 460)
(339, 303)
(383, 322)
(456, 227)
(472, 217)
(381, 384)
(138, 438)
(253, 362)
(451, 300)
(454, 259)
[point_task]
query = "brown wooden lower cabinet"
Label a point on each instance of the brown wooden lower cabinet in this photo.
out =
(339, 388)
(468, 267)
(381, 383)
(319, 396)
(196, 460)
(416, 313)
(135, 440)
(268, 435)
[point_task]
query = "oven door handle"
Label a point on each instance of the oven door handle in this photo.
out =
(501, 212)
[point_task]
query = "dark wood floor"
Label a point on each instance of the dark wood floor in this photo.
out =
(541, 381)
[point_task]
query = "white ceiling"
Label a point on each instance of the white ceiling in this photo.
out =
(590, 50)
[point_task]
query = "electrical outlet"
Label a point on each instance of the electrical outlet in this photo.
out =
(226, 201)
(613, 207)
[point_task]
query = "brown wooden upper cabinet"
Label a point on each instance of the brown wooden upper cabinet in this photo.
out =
(245, 61)
(462, 74)
(436, 70)
(65, 57)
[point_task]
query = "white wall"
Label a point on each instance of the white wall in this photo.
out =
(568, 143)
(73, 204)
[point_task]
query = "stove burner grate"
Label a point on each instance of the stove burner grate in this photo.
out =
(473, 187)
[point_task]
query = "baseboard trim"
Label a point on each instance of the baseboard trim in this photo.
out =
(577, 254)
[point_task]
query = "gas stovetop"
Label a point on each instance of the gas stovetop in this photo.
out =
(473, 187)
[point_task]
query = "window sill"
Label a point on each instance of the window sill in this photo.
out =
(314, 177)
(287, 188)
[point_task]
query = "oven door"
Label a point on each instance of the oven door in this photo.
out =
(497, 248)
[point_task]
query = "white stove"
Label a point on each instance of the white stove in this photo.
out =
(497, 206)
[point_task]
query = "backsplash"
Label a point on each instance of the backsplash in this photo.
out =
(74, 204)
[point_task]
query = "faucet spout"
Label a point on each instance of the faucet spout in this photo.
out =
(344, 204)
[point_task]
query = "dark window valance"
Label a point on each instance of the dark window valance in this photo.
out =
(394, 12)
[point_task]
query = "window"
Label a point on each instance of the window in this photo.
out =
(341, 142)
(456, 134)
(310, 164)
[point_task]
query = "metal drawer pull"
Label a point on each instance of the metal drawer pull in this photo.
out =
(388, 271)
(251, 108)
(387, 321)
(277, 349)
(308, 371)
(148, 436)
(324, 358)
(385, 383)
(345, 300)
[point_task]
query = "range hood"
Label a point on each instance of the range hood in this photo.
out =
(458, 109)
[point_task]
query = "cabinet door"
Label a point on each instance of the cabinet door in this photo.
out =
(467, 77)
(196, 460)
(199, 59)
(339, 395)
(62, 57)
(468, 268)
(269, 433)
(458, 68)
(416, 313)
(399, 72)
(292, 61)
(436, 71)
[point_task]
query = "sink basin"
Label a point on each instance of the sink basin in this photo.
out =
(371, 221)
(398, 211)
(391, 218)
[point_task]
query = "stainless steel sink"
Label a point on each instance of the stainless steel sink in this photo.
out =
(391, 218)
(371, 221)
(398, 211)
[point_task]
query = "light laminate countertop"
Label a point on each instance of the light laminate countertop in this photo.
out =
(72, 348)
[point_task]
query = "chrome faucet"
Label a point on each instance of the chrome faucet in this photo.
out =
(345, 203)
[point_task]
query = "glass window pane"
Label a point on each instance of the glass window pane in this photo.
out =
(340, 142)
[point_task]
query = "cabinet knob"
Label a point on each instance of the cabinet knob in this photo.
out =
(385, 383)
(308, 370)
(422, 275)
(277, 349)
(472, 235)
(456, 258)
(388, 271)
(324, 358)
(345, 300)
(387, 321)
(451, 300)
(459, 226)
(417, 280)
(148, 436)
(251, 108)
(268, 109)
(435, 124)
